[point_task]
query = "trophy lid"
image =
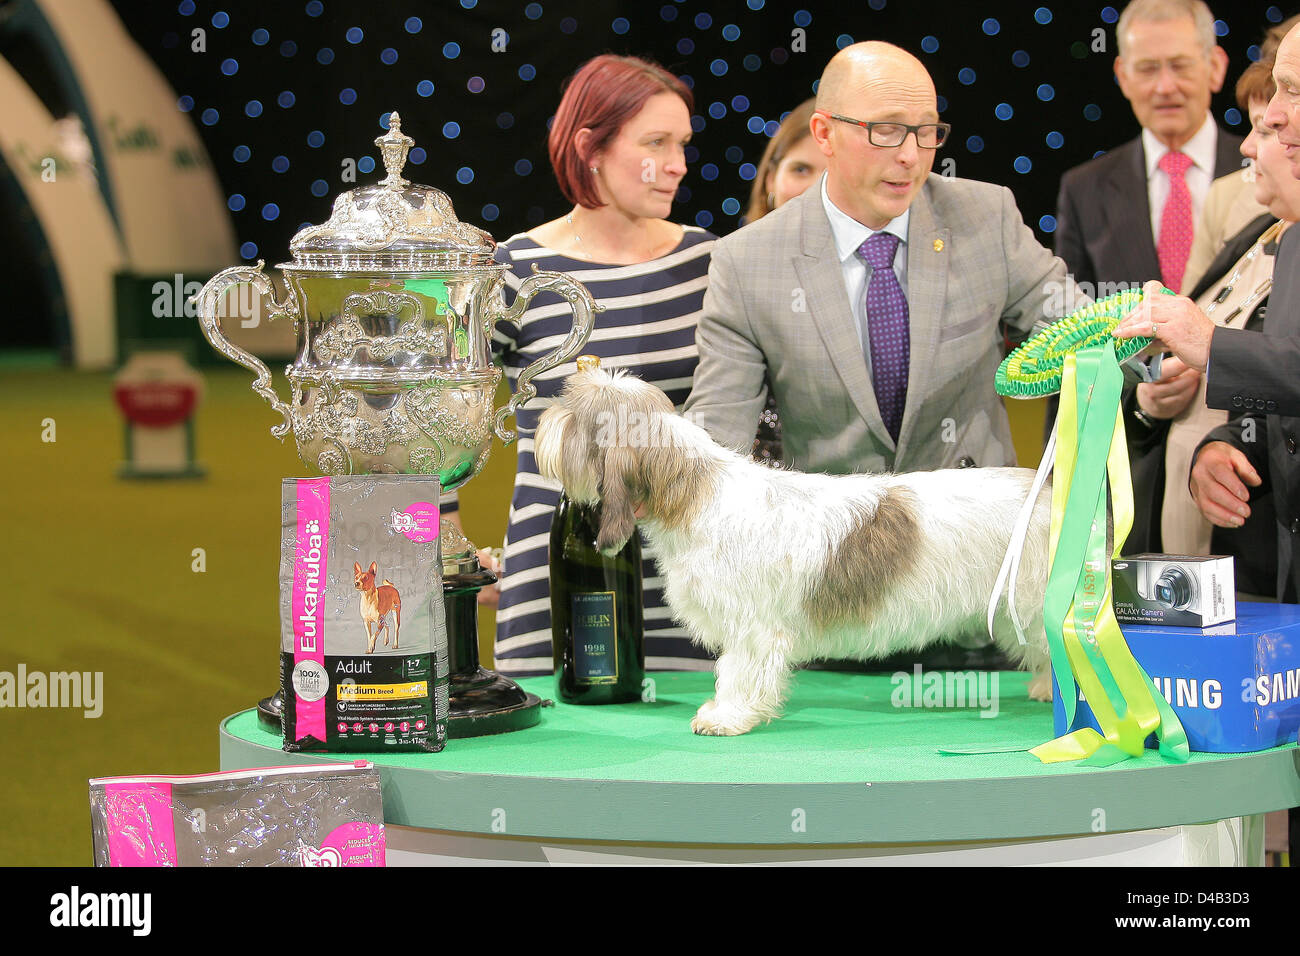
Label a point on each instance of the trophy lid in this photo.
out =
(393, 224)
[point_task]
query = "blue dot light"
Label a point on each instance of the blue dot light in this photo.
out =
(717, 110)
(533, 11)
(752, 62)
(242, 154)
(366, 164)
(1047, 223)
(930, 44)
(718, 67)
(755, 124)
(413, 25)
(209, 117)
(568, 25)
(355, 35)
(802, 18)
(1109, 15)
(734, 154)
(1232, 116)
(315, 139)
(965, 76)
(280, 164)
(704, 219)
(1003, 111)
(288, 48)
(974, 144)
(1273, 15)
(523, 167)
(1020, 58)
(1022, 164)
(185, 103)
(248, 250)
(667, 13)
(186, 8)
(703, 21)
(270, 212)
(747, 171)
(1045, 92)
(490, 212)
(504, 120)
(740, 102)
(842, 41)
(1092, 112)
(1220, 28)
(620, 25)
(319, 187)
(731, 32)
(324, 56)
(315, 8)
(451, 49)
(235, 203)
(1055, 140)
(527, 72)
(1043, 15)
(991, 27)
(286, 99)
(685, 46)
(709, 172)
(229, 66)
(221, 19)
(464, 175)
(771, 127)
(417, 156)
(347, 96)
(730, 206)
(451, 129)
(424, 88)
(388, 56)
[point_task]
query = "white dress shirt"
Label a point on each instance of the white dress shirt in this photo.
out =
(849, 235)
(1200, 149)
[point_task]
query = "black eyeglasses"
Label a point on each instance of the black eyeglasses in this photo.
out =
(928, 135)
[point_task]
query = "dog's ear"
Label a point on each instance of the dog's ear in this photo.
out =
(620, 493)
(548, 449)
(356, 567)
(372, 567)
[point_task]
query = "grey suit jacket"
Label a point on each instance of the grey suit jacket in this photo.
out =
(776, 310)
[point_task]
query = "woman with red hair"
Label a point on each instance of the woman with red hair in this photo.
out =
(617, 145)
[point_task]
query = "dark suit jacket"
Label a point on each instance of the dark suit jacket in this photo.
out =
(1103, 215)
(1253, 544)
(1103, 222)
(1265, 369)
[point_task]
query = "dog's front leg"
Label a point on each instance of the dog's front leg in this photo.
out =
(748, 690)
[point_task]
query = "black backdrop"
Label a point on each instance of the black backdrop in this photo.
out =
(286, 91)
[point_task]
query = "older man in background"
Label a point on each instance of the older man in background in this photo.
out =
(1128, 216)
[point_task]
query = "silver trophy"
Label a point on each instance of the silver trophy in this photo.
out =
(393, 302)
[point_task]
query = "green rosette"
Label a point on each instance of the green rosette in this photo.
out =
(1034, 369)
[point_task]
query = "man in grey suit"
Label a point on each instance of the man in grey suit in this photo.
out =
(873, 303)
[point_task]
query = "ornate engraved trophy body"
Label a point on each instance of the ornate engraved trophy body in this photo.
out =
(393, 302)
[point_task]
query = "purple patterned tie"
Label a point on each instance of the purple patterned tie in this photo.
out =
(887, 329)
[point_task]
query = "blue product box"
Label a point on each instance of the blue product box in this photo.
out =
(1234, 686)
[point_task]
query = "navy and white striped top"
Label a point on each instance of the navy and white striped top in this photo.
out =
(648, 327)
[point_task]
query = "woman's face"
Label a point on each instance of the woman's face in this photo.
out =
(1275, 187)
(641, 168)
(801, 166)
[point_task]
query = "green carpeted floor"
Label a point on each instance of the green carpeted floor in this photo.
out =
(100, 577)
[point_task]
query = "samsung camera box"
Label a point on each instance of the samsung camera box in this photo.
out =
(1174, 590)
(1234, 686)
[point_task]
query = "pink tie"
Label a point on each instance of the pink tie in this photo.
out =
(1175, 222)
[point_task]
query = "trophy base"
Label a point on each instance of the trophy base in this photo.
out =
(486, 703)
(270, 708)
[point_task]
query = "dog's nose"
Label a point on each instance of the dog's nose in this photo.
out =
(966, 461)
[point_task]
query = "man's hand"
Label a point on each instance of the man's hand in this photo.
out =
(1172, 392)
(1175, 323)
(1217, 485)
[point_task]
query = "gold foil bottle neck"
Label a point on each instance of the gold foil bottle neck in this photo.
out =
(588, 363)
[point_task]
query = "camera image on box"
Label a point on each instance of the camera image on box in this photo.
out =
(1180, 590)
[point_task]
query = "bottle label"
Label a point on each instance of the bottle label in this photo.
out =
(595, 638)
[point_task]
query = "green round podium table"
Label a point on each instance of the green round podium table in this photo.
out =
(847, 774)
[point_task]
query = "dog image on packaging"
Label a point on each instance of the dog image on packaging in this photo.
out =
(344, 689)
(769, 568)
(376, 602)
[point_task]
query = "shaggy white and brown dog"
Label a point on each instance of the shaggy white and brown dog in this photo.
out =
(770, 568)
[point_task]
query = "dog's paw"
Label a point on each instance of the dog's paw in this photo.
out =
(1040, 688)
(715, 720)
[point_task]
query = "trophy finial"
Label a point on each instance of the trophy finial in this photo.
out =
(394, 145)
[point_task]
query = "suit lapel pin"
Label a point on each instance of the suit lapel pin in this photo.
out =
(938, 245)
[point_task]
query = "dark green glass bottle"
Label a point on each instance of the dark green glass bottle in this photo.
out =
(597, 632)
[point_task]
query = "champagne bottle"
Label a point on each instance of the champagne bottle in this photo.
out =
(597, 631)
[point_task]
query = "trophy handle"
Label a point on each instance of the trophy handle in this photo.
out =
(584, 317)
(209, 297)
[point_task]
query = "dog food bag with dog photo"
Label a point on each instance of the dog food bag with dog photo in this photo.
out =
(363, 650)
(310, 815)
